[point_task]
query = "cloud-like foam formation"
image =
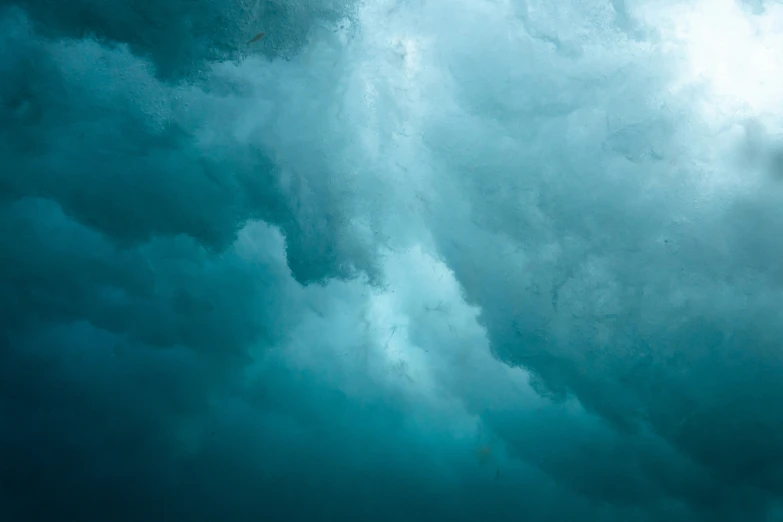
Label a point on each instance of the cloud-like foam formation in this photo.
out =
(395, 260)
(181, 38)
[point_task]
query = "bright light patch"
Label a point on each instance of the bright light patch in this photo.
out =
(735, 54)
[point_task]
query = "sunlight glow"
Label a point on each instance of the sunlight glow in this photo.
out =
(736, 55)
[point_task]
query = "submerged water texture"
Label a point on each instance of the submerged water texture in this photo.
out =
(397, 260)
